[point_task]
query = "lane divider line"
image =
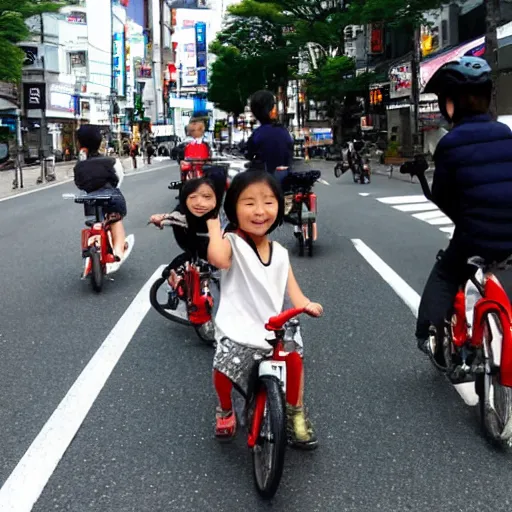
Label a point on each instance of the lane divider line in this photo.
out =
(411, 299)
(25, 484)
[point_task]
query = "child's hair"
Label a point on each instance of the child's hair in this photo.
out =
(240, 183)
(262, 104)
(90, 138)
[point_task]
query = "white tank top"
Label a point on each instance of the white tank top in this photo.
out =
(251, 293)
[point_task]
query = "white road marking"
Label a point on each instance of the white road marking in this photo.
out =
(411, 300)
(28, 480)
(419, 207)
(364, 194)
(323, 182)
(402, 199)
(428, 215)
(449, 230)
(439, 221)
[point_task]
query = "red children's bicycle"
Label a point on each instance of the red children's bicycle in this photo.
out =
(265, 410)
(192, 291)
(303, 209)
(96, 240)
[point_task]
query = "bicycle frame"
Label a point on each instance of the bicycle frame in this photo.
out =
(494, 300)
(274, 366)
(199, 298)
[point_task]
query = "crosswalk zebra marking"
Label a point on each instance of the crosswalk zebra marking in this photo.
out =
(419, 207)
(402, 199)
(415, 207)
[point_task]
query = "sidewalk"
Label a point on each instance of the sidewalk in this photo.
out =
(63, 170)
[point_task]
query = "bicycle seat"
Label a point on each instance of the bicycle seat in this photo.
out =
(94, 200)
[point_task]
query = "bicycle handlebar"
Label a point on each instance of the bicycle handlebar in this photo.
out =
(276, 323)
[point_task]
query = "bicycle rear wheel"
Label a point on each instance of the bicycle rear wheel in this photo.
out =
(96, 272)
(268, 453)
(309, 240)
(495, 400)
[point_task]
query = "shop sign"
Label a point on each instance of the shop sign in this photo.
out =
(77, 18)
(376, 39)
(401, 80)
(34, 96)
(62, 98)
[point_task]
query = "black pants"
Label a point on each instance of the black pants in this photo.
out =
(449, 273)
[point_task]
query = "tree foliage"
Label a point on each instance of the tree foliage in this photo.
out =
(252, 53)
(233, 79)
(273, 33)
(13, 29)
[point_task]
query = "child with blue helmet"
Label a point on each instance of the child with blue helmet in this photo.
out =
(472, 185)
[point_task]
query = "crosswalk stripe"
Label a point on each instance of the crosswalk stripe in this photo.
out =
(439, 221)
(402, 199)
(428, 215)
(419, 207)
(422, 207)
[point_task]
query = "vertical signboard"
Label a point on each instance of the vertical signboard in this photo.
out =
(201, 54)
(34, 96)
(119, 64)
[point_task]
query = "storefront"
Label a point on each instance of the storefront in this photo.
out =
(379, 97)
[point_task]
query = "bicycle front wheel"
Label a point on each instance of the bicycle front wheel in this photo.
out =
(268, 453)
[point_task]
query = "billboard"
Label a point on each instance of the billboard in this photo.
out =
(119, 64)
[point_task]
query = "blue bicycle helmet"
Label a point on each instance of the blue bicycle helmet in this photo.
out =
(459, 79)
(466, 72)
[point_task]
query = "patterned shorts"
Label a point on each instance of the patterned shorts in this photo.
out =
(237, 361)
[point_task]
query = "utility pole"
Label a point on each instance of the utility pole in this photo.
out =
(415, 86)
(43, 128)
(492, 19)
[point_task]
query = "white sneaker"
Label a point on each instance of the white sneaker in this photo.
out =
(114, 267)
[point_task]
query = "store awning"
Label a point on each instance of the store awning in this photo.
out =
(430, 66)
(7, 107)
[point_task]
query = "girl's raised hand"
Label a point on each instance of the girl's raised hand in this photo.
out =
(156, 219)
(314, 309)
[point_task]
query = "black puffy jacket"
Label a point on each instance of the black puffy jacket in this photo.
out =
(473, 183)
(96, 172)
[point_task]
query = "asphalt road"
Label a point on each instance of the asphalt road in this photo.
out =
(395, 436)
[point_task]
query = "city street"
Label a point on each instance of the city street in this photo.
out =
(131, 429)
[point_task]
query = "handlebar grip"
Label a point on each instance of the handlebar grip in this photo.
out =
(276, 323)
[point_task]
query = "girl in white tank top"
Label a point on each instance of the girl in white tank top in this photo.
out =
(256, 275)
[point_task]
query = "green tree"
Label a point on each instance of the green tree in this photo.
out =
(233, 78)
(13, 29)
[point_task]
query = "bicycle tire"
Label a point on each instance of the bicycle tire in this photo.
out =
(300, 239)
(338, 171)
(495, 408)
(309, 241)
(96, 272)
(158, 307)
(276, 416)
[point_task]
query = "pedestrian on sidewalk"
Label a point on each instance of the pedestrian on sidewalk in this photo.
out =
(150, 151)
(134, 153)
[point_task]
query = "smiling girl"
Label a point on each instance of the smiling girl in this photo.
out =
(256, 274)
